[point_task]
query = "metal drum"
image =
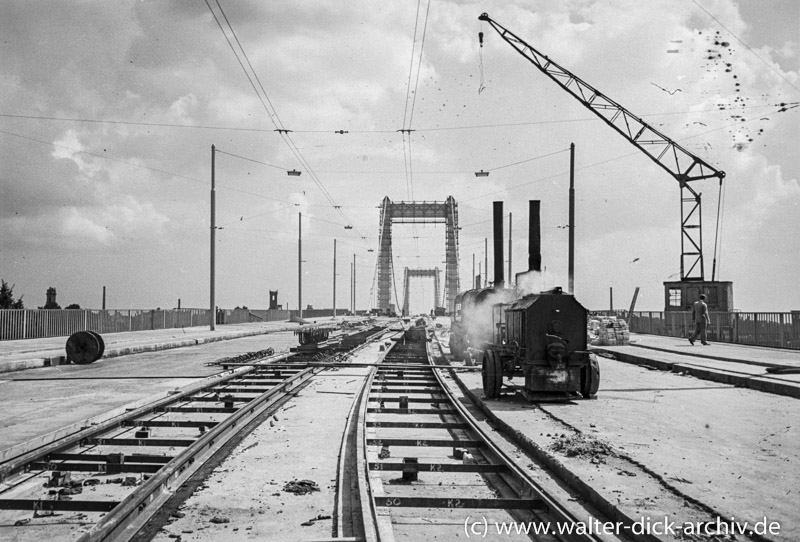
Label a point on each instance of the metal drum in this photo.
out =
(85, 347)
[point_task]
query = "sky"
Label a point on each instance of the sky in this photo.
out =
(109, 110)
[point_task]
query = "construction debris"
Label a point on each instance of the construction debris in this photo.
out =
(579, 445)
(301, 487)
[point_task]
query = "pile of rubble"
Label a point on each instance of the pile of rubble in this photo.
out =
(608, 331)
(580, 445)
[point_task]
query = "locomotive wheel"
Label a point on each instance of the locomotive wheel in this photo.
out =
(590, 378)
(492, 372)
(102, 343)
(82, 348)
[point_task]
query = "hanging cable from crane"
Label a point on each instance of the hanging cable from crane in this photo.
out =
(718, 232)
(481, 87)
(684, 166)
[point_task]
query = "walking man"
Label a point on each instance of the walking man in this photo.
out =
(701, 320)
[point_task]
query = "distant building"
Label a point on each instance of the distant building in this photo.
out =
(273, 300)
(680, 295)
(51, 300)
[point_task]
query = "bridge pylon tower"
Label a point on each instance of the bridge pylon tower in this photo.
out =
(416, 212)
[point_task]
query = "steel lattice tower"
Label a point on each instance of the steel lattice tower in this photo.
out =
(420, 273)
(431, 212)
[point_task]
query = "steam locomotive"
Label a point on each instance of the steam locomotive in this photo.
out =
(543, 338)
(540, 336)
(472, 321)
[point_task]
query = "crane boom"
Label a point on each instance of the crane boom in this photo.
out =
(684, 166)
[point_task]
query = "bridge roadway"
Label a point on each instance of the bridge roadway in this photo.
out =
(673, 431)
(738, 365)
(685, 442)
(46, 352)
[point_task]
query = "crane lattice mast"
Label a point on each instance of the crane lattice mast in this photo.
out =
(684, 166)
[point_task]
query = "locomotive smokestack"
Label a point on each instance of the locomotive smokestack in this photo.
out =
(534, 237)
(499, 277)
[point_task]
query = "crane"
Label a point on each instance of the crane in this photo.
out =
(684, 166)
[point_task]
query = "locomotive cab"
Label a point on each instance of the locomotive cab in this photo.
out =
(541, 337)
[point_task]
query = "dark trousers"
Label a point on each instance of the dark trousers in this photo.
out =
(699, 331)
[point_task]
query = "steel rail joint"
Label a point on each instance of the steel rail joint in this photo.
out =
(553, 507)
(369, 509)
(19, 463)
(185, 463)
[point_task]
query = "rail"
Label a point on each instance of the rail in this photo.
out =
(39, 323)
(427, 421)
(773, 329)
(193, 428)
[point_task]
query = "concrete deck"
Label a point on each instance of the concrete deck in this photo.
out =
(738, 365)
(50, 351)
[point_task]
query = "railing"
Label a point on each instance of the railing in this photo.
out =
(34, 324)
(31, 324)
(776, 329)
(242, 316)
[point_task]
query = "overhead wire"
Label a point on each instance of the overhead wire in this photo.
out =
(110, 158)
(250, 159)
(243, 218)
(268, 106)
(529, 159)
(273, 113)
(408, 112)
(595, 164)
(461, 202)
(156, 170)
(376, 131)
(419, 63)
(411, 64)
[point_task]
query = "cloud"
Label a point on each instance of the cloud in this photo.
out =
(330, 66)
(78, 227)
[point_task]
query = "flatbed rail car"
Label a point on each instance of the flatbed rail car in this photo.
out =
(541, 337)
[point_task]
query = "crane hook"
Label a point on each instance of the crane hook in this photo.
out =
(480, 38)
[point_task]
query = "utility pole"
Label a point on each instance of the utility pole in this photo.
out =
(509, 280)
(486, 261)
(212, 301)
(473, 272)
(300, 263)
(104, 298)
(354, 284)
(334, 278)
(351, 288)
(571, 265)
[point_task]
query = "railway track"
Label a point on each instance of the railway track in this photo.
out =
(105, 482)
(423, 466)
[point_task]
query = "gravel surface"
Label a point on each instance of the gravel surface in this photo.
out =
(37, 401)
(678, 446)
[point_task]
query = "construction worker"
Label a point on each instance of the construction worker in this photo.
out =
(701, 320)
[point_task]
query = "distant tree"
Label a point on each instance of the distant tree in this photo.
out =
(73, 306)
(7, 300)
(51, 305)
